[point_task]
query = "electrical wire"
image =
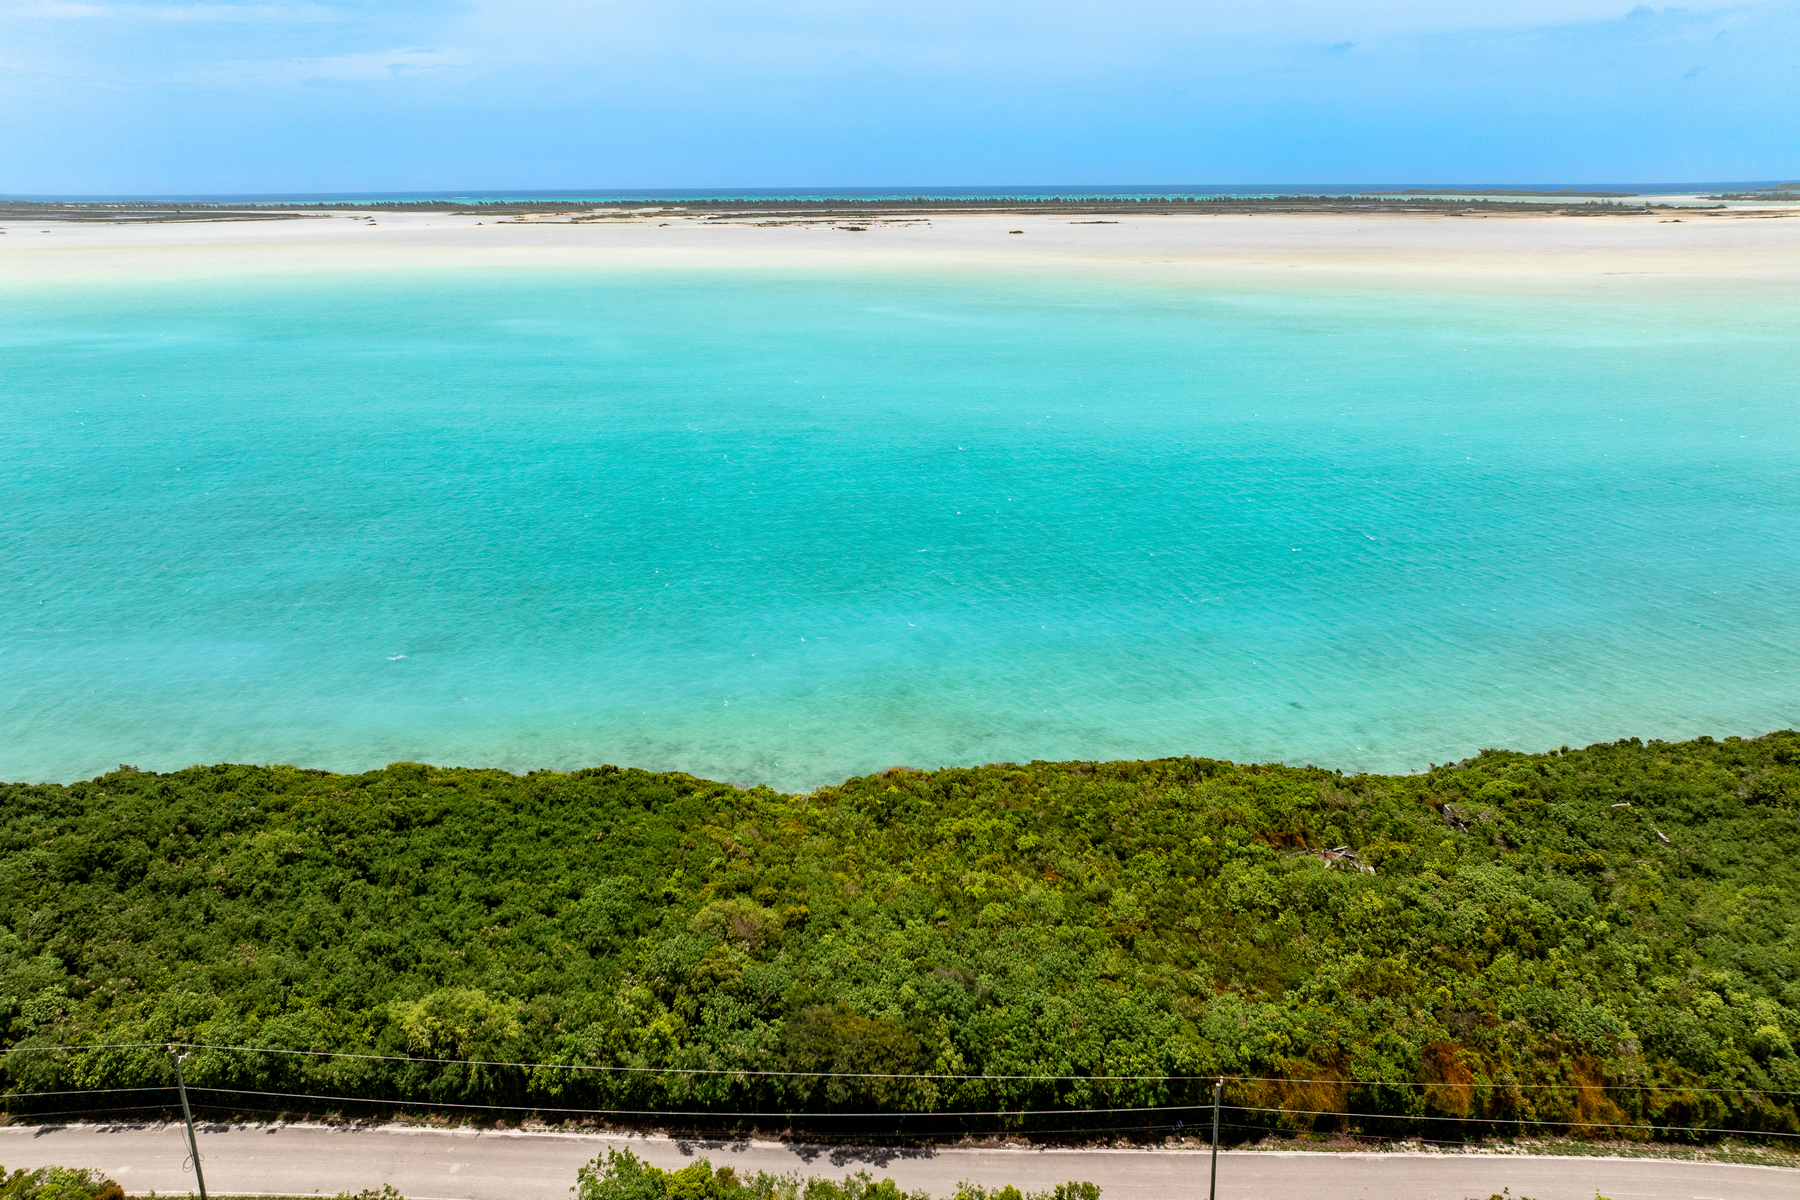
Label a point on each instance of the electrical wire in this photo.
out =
(168, 1087)
(750, 1072)
(731, 1071)
(943, 1114)
(1302, 1112)
(867, 1137)
(88, 1046)
(702, 1112)
(87, 1112)
(812, 1138)
(1598, 1087)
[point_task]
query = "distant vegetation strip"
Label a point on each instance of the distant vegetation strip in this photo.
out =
(1788, 192)
(1588, 938)
(1573, 203)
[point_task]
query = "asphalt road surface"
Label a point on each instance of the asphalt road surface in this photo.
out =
(462, 1164)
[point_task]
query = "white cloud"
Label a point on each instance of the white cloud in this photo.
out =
(184, 13)
(369, 66)
(778, 49)
(640, 45)
(549, 23)
(245, 12)
(58, 12)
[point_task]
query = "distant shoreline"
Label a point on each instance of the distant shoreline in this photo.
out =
(1493, 202)
(1476, 247)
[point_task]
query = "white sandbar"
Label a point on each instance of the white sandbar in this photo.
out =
(1740, 253)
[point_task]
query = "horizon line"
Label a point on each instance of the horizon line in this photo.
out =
(900, 190)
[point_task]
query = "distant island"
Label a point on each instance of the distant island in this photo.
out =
(1604, 941)
(1781, 192)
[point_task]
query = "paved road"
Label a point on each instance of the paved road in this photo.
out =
(475, 1165)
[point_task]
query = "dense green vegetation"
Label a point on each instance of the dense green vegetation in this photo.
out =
(58, 1183)
(622, 1175)
(1533, 937)
(615, 1175)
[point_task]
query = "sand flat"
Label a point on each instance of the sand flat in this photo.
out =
(1736, 254)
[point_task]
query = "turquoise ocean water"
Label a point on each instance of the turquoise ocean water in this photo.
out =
(786, 527)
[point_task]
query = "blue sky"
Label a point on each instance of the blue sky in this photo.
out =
(122, 96)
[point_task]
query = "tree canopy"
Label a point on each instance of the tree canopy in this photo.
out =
(1605, 936)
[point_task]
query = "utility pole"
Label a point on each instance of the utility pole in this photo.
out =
(1212, 1192)
(188, 1114)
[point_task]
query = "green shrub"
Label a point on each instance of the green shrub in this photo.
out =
(622, 1175)
(1062, 1191)
(58, 1183)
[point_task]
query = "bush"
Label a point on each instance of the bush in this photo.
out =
(58, 1183)
(1062, 1191)
(622, 1175)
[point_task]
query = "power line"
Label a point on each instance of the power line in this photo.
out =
(945, 1114)
(1558, 1087)
(88, 1112)
(747, 1072)
(89, 1046)
(612, 1069)
(864, 1138)
(888, 1114)
(87, 1092)
(811, 1137)
(1303, 1112)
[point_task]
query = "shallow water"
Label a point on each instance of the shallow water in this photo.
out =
(784, 528)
